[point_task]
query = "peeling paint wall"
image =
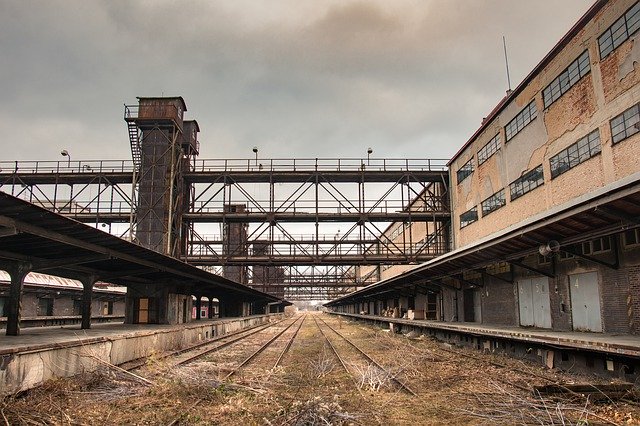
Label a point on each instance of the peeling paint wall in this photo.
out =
(607, 90)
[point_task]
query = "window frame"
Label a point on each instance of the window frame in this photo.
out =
(521, 120)
(465, 170)
(575, 154)
(489, 149)
(555, 89)
(497, 202)
(526, 177)
(464, 222)
(619, 32)
(629, 129)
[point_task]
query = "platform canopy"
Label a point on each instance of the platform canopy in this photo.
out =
(50, 243)
(612, 209)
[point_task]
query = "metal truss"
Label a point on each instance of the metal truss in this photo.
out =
(306, 218)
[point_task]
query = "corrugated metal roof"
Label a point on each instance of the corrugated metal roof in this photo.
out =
(38, 279)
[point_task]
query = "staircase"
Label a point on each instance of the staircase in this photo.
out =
(134, 138)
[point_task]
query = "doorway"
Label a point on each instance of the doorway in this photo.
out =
(533, 299)
(585, 302)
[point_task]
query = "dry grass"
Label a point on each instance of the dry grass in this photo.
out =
(312, 388)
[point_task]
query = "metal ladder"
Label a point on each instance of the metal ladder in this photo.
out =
(134, 138)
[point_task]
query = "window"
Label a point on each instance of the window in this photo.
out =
(625, 124)
(524, 117)
(489, 149)
(465, 170)
(620, 31)
(575, 154)
(631, 237)
(526, 183)
(45, 307)
(567, 78)
(600, 245)
(493, 203)
(544, 260)
(468, 217)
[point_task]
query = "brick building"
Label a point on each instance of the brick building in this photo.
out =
(545, 197)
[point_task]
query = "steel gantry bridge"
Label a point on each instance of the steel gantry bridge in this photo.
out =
(297, 228)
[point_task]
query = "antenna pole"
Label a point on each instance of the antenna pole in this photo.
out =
(506, 61)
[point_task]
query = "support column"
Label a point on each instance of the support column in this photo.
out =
(17, 272)
(210, 308)
(198, 306)
(87, 295)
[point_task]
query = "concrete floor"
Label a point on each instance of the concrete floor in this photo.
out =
(34, 338)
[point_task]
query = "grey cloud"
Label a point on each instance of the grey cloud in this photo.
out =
(317, 78)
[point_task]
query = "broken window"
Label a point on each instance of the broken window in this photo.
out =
(465, 170)
(469, 217)
(575, 154)
(493, 203)
(527, 182)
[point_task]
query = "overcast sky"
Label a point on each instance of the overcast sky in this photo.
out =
(296, 78)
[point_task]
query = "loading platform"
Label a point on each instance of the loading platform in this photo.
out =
(43, 353)
(603, 353)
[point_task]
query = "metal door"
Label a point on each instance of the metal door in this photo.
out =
(533, 300)
(585, 302)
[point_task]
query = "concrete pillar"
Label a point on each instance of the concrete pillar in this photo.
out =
(198, 307)
(87, 294)
(210, 308)
(18, 272)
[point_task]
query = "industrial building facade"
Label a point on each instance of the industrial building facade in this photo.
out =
(544, 198)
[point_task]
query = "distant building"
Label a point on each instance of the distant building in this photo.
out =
(49, 300)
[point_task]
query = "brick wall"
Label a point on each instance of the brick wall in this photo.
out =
(560, 303)
(499, 304)
(614, 292)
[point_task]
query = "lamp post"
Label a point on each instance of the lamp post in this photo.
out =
(255, 151)
(369, 151)
(65, 153)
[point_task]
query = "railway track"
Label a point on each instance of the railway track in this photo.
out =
(265, 346)
(226, 339)
(403, 386)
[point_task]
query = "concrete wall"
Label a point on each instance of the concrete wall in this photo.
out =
(24, 369)
(63, 305)
(606, 91)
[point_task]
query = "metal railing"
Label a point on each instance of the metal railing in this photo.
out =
(320, 164)
(62, 166)
(235, 165)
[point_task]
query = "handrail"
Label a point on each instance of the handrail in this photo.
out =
(235, 165)
(320, 164)
(63, 167)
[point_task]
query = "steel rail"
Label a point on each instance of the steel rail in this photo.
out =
(137, 363)
(402, 385)
(344, 365)
(259, 351)
(289, 343)
(225, 344)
